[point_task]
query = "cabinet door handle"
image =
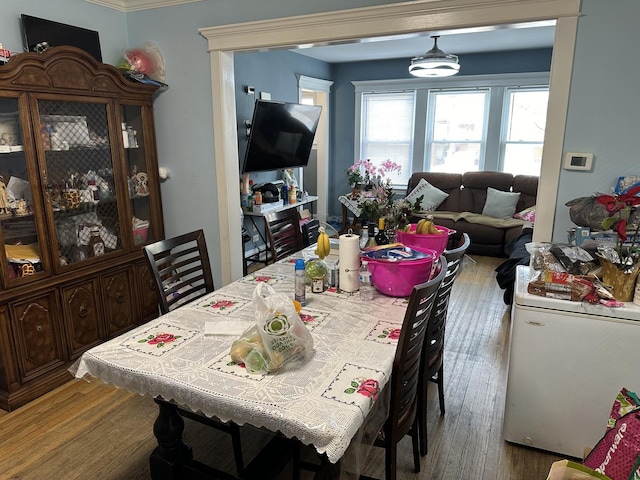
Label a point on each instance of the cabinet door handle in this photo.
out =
(83, 312)
(119, 297)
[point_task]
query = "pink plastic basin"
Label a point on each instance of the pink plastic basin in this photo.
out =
(434, 241)
(397, 279)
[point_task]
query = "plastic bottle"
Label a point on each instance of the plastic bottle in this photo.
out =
(299, 282)
(366, 289)
(364, 235)
(371, 242)
(96, 244)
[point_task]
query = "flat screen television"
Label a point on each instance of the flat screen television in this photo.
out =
(37, 30)
(281, 135)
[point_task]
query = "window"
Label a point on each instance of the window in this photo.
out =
(523, 130)
(454, 124)
(457, 130)
(387, 130)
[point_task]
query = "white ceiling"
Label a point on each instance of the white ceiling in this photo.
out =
(484, 39)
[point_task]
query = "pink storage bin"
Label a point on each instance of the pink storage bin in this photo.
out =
(397, 278)
(140, 233)
(434, 241)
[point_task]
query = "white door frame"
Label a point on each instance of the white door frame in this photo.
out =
(321, 89)
(351, 24)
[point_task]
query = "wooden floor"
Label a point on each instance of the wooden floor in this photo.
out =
(93, 431)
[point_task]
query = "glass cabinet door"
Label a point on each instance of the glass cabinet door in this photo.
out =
(133, 140)
(79, 179)
(21, 259)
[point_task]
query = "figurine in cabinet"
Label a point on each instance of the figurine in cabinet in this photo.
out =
(4, 196)
(141, 182)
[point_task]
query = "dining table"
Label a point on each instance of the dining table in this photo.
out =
(333, 399)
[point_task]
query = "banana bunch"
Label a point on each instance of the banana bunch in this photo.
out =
(426, 226)
(324, 246)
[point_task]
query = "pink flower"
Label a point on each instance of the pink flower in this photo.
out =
(262, 278)
(162, 338)
(306, 318)
(369, 388)
(222, 304)
(395, 333)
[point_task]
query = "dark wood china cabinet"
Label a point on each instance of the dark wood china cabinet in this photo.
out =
(79, 198)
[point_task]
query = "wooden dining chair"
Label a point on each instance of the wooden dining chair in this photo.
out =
(402, 418)
(181, 269)
(283, 234)
(182, 273)
(432, 363)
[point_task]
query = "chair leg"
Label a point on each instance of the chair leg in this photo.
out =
(441, 389)
(416, 450)
(296, 461)
(422, 435)
(237, 448)
(422, 419)
(391, 460)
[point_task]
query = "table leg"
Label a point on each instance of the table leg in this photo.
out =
(167, 459)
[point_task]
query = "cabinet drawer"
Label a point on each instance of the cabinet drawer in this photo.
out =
(117, 301)
(82, 317)
(37, 336)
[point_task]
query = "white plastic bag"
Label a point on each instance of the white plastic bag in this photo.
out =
(278, 337)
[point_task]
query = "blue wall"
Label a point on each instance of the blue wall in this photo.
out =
(604, 106)
(602, 117)
(275, 73)
(343, 97)
(110, 24)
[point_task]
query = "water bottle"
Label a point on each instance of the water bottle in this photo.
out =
(364, 235)
(366, 289)
(299, 282)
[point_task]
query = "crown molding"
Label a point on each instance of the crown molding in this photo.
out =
(135, 5)
(387, 19)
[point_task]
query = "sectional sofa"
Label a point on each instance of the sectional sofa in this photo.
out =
(491, 207)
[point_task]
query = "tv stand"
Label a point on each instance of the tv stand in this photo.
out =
(254, 216)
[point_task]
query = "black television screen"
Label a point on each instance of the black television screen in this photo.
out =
(37, 30)
(281, 135)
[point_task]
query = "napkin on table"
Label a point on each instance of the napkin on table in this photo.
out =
(224, 327)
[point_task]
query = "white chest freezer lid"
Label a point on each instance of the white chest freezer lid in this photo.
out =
(521, 297)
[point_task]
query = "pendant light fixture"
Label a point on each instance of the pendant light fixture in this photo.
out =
(434, 63)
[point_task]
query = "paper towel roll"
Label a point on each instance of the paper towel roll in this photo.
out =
(349, 262)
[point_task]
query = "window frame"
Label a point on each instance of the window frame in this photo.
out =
(492, 158)
(504, 130)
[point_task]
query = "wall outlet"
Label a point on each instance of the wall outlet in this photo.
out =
(256, 237)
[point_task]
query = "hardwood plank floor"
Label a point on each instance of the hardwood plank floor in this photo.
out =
(88, 430)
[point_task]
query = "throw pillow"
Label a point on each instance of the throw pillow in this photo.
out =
(432, 197)
(528, 214)
(500, 204)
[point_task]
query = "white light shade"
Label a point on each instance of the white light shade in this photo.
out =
(434, 63)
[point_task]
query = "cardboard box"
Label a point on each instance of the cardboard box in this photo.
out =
(265, 207)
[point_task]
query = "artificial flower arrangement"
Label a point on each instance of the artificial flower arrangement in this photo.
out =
(619, 208)
(377, 199)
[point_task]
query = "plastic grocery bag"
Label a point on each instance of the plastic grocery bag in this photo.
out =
(278, 337)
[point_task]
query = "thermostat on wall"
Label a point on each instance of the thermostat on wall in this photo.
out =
(578, 161)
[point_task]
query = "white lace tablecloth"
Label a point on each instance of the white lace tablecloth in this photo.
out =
(323, 401)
